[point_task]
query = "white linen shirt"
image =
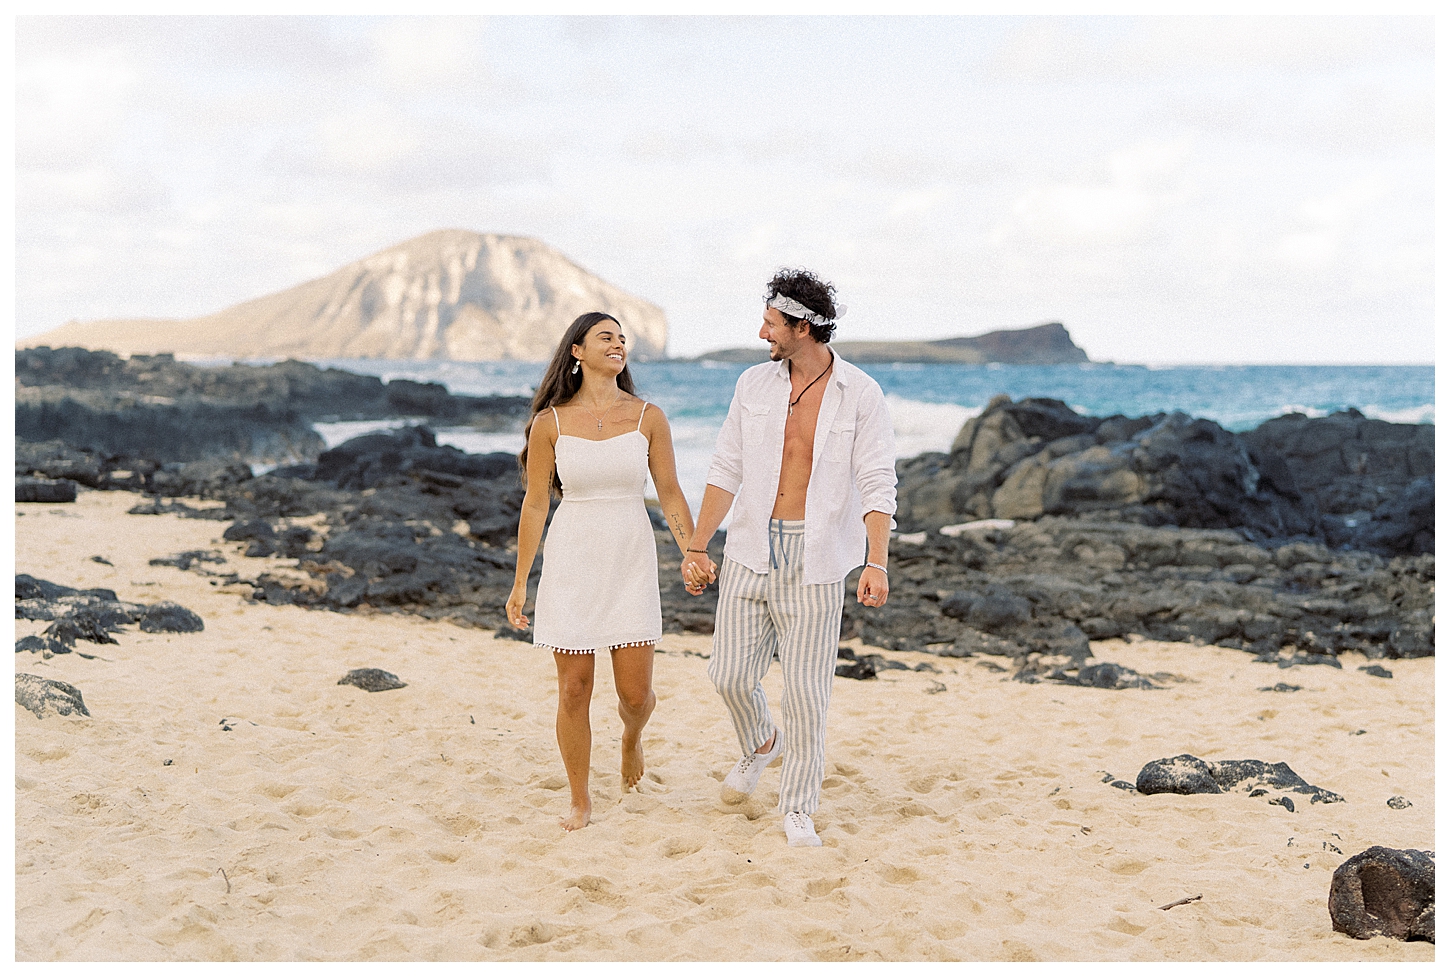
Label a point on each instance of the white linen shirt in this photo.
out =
(853, 468)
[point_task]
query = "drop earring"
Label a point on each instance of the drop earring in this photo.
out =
(576, 367)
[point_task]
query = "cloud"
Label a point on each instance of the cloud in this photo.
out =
(367, 139)
(92, 189)
(1083, 214)
(417, 53)
(70, 108)
(1308, 250)
(1058, 49)
(1143, 183)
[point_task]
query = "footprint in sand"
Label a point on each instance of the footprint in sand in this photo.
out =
(679, 847)
(596, 889)
(898, 874)
(824, 887)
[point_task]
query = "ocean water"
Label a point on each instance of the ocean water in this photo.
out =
(930, 402)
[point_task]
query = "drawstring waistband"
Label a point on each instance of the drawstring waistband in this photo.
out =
(782, 527)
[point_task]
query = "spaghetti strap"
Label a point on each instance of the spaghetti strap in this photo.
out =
(641, 415)
(557, 428)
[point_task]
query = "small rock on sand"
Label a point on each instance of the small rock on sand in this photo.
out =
(1398, 803)
(43, 695)
(372, 680)
(167, 616)
(47, 646)
(1387, 891)
(1186, 774)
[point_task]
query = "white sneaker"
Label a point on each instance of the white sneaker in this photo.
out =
(800, 831)
(741, 780)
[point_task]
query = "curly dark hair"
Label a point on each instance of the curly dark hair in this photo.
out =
(817, 295)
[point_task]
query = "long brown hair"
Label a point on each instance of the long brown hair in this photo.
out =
(561, 383)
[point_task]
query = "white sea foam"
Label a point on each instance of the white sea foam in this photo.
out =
(1300, 409)
(1423, 414)
(920, 426)
(480, 442)
(334, 433)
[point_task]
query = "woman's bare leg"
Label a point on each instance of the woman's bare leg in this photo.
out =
(576, 687)
(634, 669)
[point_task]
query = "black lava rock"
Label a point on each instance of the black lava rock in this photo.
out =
(1103, 675)
(1385, 891)
(47, 646)
(185, 561)
(372, 680)
(44, 490)
(43, 696)
(31, 588)
(244, 529)
(85, 624)
(1187, 774)
(862, 668)
(167, 616)
(1183, 774)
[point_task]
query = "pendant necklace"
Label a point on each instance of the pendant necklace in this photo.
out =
(791, 409)
(599, 426)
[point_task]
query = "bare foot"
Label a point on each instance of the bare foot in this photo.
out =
(631, 764)
(578, 817)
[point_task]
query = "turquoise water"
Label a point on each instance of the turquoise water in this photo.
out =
(1238, 397)
(930, 402)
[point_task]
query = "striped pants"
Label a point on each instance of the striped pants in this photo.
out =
(759, 615)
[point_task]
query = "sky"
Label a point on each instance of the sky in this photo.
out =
(1173, 190)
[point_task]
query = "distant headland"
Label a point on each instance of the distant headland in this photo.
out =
(1043, 345)
(447, 295)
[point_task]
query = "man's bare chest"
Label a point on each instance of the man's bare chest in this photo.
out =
(800, 421)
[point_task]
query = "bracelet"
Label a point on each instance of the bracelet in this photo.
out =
(878, 567)
(697, 551)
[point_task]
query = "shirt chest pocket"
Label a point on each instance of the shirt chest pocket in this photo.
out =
(839, 444)
(756, 424)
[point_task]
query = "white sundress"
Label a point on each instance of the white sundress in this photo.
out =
(600, 584)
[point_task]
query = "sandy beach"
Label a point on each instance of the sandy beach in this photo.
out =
(228, 800)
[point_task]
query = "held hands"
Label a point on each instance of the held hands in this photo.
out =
(873, 588)
(697, 571)
(515, 608)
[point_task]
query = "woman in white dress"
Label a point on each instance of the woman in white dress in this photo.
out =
(593, 442)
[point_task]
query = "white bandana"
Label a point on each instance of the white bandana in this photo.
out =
(795, 310)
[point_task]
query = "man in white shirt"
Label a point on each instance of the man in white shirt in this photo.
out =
(807, 457)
